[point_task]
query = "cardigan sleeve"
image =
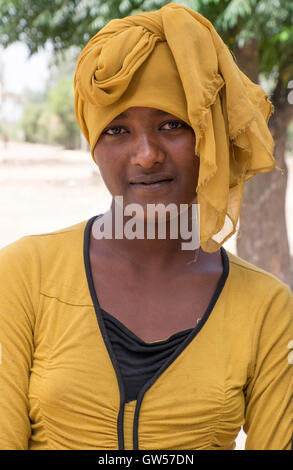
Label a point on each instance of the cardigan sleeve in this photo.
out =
(269, 404)
(17, 308)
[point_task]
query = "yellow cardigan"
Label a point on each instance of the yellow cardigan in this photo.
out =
(61, 388)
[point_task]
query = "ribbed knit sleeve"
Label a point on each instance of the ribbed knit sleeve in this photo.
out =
(19, 287)
(269, 403)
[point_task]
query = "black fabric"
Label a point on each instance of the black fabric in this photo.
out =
(138, 361)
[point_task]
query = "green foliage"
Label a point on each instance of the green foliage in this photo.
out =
(52, 120)
(60, 101)
(64, 22)
(30, 122)
(67, 23)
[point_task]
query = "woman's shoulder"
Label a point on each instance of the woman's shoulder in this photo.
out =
(38, 262)
(261, 299)
(42, 242)
(48, 263)
(253, 279)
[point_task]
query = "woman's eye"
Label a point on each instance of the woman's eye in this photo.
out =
(114, 131)
(172, 125)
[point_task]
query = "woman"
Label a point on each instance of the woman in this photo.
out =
(113, 342)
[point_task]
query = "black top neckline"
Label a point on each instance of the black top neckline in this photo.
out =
(132, 335)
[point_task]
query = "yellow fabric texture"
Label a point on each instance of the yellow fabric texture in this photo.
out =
(59, 389)
(173, 59)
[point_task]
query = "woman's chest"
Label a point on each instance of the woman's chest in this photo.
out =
(153, 307)
(73, 379)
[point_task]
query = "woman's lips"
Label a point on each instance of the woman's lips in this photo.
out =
(148, 187)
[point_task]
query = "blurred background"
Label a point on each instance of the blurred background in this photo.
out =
(47, 177)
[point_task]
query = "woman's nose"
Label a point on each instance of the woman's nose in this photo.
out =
(146, 152)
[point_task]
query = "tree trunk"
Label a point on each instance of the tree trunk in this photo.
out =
(263, 239)
(247, 59)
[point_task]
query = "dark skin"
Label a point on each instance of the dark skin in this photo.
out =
(151, 286)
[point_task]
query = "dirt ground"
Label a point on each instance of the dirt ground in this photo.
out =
(45, 188)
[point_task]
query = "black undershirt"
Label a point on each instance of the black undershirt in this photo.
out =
(138, 361)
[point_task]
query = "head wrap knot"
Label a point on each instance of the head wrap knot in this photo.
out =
(173, 59)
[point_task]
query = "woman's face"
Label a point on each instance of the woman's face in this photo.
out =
(148, 156)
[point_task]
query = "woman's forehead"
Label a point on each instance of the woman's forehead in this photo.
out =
(142, 110)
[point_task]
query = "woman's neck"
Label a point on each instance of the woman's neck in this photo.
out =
(158, 242)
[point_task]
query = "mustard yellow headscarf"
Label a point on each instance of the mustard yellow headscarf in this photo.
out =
(173, 59)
